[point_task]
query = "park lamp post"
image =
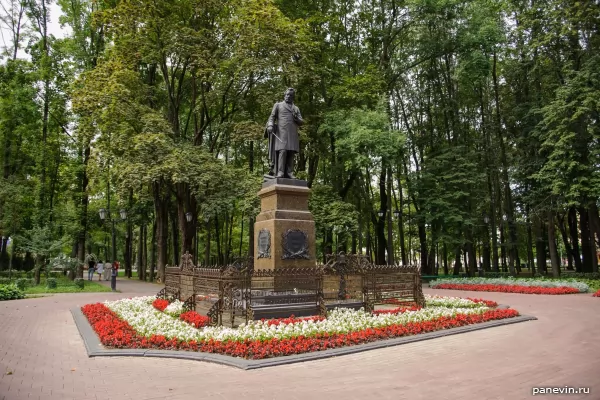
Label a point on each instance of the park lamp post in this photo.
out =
(188, 217)
(207, 245)
(104, 214)
(397, 216)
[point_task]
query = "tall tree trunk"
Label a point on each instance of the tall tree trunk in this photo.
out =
(83, 203)
(207, 245)
(486, 250)
(153, 252)
(129, 241)
(218, 240)
(400, 208)
(552, 245)
(573, 230)
(503, 247)
(175, 237)
(380, 222)
(445, 252)
(162, 229)
(540, 247)
(565, 238)
(586, 245)
(140, 258)
(425, 268)
(186, 203)
(390, 227)
(457, 263)
(145, 250)
(530, 260)
(592, 213)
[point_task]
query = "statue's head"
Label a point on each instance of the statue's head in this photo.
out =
(289, 95)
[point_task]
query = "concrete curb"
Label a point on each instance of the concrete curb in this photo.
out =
(95, 349)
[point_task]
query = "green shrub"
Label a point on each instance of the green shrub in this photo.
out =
(79, 283)
(51, 283)
(10, 292)
(22, 283)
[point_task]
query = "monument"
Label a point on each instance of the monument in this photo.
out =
(284, 232)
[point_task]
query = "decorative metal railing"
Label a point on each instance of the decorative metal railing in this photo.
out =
(235, 293)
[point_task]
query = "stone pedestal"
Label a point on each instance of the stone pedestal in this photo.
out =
(284, 231)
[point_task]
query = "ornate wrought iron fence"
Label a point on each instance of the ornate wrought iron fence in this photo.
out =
(236, 293)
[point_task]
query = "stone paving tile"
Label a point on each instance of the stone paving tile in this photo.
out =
(40, 345)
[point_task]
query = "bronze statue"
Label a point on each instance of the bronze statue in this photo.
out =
(282, 132)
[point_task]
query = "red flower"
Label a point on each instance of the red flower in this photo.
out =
(508, 288)
(160, 304)
(488, 303)
(597, 294)
(195, 319)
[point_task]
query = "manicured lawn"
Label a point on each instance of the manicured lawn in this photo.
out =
(64, 285)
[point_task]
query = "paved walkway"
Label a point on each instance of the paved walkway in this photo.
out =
(42, 357)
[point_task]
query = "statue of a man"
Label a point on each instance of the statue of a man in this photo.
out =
(282, 132)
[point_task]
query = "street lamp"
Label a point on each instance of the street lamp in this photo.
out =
(207, 245)
(397, 213)
(123, 214)
(188, 216)
(486, 219)
(381, 213)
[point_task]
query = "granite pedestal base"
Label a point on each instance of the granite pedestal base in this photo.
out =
(284, 231)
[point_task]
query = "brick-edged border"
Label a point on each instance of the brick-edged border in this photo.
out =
(95, 349)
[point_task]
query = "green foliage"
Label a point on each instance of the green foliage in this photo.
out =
(22, 283)
(79, 282)
(51, 283)
(330, 212)
(10, 292)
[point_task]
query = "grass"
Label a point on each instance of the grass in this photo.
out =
(65, 285)
(134, 274)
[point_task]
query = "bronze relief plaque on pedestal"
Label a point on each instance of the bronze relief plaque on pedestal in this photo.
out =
(264, 244)
(295, 245)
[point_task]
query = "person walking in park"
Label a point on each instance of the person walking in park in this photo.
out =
(106, 273)
(100, 269)
(91, 269)
(113, 276)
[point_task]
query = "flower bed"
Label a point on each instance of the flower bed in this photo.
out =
(510, 285)
(136, 323)
(597, 294)
(508, 288)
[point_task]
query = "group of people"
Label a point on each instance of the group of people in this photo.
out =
(104, 271)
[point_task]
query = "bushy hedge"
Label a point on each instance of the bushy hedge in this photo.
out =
(10, 292)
